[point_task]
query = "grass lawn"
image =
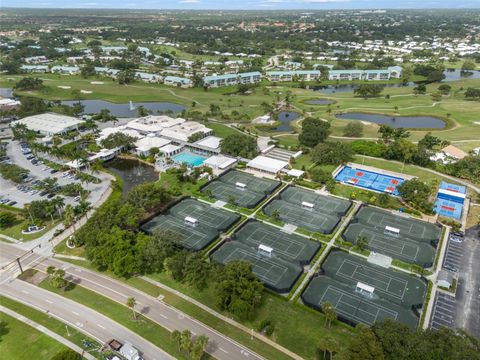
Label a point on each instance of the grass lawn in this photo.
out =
(15, 231)
(170, 181)
(22, 342)
(221, 130)
(144, 327)
(48, 322)
(297, 327)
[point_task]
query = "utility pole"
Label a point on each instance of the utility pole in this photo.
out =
(19, 265)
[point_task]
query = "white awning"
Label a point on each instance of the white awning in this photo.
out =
(307, 205)
(265, 248)
(190, 220)
(240, 185)
(365, 287)
(392, 229)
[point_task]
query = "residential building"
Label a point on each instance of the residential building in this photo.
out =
(293, 75)
(69, 70)
(34, 68)
(178, 81)
(232, 79)
(148, 77)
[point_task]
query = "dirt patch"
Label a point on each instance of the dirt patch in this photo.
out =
(33, 276)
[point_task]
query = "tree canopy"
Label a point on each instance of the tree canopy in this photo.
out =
(239, 145)
(314, 131)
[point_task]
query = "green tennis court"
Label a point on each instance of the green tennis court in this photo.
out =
(244, 189)
(276, 273)
(290, 247)
(196, 224)
(353, 306)
(308, 210)
(305, 218)
(398, 247)
(408, 227)
(322, 203)
(394, 286)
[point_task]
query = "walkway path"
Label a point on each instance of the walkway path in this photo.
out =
(46, 331)
(330, 244)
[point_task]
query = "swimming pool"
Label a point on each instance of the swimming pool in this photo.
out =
(369, 180)
(189, 158)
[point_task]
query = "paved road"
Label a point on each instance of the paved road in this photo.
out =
(220, 346)
(84, 319)
(46, 331)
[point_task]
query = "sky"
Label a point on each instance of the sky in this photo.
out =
(243, 4)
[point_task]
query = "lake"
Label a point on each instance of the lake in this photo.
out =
(412, 122)
(285, 118)
(123, 110)
(132, 172)
(6, 92)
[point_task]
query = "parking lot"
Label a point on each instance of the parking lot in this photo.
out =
(443, 311)
(20, 194)
(453, 255)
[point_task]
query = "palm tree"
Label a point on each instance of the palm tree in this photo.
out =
(276, 214)
(329, 312)
(362, 242)
(69, 216)
(131, 302)
(58, 202)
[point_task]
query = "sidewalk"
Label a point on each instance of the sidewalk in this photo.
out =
(47, 332)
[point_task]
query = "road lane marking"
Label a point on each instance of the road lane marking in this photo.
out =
(25, 292)
(48, 301)
(101, 326)
(75, 313)
(225, 351)
(164, 316)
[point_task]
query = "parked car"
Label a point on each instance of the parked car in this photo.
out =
(456, 239)
(53, 171)
(458, 233)
(11, 203)
(49, 196)
(76, 198)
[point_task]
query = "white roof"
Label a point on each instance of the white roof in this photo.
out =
(267, 164)
(104, 133)
(9, 102)
(169, 148)
(149, 142)
(295, 173)
(219, 161)
(49, 123)
(212, 142)
(365, 287)
(190, 219)
(307, 204)
(184, 130)
(452, 193)
(153, 123)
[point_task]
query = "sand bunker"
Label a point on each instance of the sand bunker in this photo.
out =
(85, 91)
(64, 87)
(97, 82)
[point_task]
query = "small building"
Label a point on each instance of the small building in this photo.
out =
(294, 75)
(232, 79)
(106, 71)
(449, 154)
(170, 150)
(267, 165)
(9, 104)
(178, 81)
(445, 279)
(34, 68)
(210, 142)
(220, 163)
(49, 124)
(148, 77)
(66, 70)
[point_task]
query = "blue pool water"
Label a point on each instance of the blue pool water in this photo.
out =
(189, 158)
(369, 180)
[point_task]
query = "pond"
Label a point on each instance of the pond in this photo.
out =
(285, 118)
(412, 122)
(132, 172)
(6, 92)
(125, 110)
(319, 102)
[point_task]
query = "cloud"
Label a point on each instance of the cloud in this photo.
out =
(189, 1)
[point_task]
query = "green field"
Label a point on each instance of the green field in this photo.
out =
(20, 341)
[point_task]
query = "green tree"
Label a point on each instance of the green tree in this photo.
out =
(353, 129)
(329, 312)
(314, 131)
(332, 152)
(365, 346)
(239, 145)
(174, 266)
(238, 290)
(472, 93)
(29, 83)
(420, 89)
(131, 303)
(120, 140)
(468, 65)
(7, 219)
(67, 354)
(199, 346)
(444, 89)
(369, 90)
(361, 242)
